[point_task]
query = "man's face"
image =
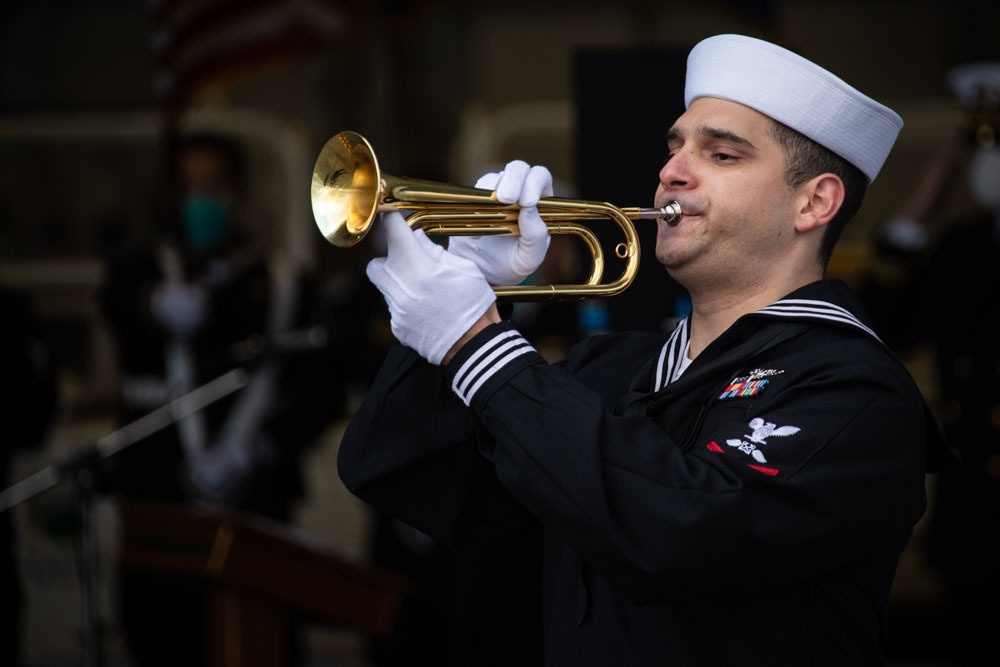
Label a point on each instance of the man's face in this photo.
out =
(207, 199)
(205, 173)
(727, 171)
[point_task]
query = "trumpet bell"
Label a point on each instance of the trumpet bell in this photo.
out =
(346, 187)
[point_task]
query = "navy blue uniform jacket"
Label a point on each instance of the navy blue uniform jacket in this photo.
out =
(750, 512)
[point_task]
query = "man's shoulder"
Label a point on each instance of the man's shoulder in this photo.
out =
(630, 349)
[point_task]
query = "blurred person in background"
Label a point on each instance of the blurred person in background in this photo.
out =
(28, 401)
(935, 286)
(206, 299)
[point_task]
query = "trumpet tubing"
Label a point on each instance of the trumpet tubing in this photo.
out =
(349, 190)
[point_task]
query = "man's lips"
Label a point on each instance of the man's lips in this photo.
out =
(673, 222)
(684, 214)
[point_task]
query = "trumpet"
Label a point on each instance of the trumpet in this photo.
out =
(349, 190)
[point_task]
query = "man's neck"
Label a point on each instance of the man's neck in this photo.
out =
(712, 313)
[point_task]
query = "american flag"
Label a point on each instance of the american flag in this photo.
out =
(196, 43)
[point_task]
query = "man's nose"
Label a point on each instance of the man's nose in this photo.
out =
(676, 171)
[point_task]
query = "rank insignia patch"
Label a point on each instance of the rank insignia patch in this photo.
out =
(768, 447)
(752, 444)
(746, 386)
(761, 431)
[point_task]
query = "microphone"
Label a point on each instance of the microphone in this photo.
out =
(281, 343)
(299, 340)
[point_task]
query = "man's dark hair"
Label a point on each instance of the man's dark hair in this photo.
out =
(804, 159)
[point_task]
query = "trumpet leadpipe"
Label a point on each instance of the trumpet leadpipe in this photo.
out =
(671, 213)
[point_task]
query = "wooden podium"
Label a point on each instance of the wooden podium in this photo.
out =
(258, 573)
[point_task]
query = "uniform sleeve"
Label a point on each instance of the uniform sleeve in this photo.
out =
(658, 518)
(412, 450)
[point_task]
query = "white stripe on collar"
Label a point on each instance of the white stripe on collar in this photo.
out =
(820, 310)
(670, 355)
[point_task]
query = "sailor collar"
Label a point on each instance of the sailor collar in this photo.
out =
(672, 353)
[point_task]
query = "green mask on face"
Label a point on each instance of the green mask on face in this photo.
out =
(206, 222)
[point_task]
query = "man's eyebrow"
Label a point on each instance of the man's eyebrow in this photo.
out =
(717, 133)
(674, 134)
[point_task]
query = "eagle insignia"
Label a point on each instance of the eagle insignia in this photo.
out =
(761, 430)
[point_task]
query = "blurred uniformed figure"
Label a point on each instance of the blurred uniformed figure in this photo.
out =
(28, 403)
(936, 284)
(206, 298)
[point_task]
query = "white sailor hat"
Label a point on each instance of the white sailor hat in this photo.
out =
(795, 92)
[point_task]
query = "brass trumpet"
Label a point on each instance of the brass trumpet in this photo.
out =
(349, 189)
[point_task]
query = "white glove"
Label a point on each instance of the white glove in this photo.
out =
(508, 260)
(180, 307)
(434, 297)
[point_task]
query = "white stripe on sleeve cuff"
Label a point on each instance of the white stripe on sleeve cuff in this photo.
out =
(487, 361)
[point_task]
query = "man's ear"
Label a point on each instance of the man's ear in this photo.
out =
(822, 198)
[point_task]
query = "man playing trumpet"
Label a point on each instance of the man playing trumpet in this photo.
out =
(737, 491)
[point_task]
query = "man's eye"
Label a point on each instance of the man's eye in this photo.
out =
(725, 157)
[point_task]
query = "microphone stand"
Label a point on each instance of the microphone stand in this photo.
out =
(81, 467)
(84, 480)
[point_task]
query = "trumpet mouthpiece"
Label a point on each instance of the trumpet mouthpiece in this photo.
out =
(672, 213)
